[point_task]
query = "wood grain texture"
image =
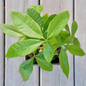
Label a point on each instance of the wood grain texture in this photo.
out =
(56, 77)
(80, 62)
(12, 76)
(1, 44)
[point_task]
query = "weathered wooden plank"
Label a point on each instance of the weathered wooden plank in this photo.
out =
(1, 44)
(12, 76)
(80, 62)
(56, 77)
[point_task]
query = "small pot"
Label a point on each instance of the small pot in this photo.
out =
(55, 59)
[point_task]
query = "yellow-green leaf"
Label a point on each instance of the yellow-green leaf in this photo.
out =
(23, 48)
(23, 38)
(11, 30)
(26, 24)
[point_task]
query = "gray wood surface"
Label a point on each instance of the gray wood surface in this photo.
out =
(56, 77)
(12, 76)
(1, 44)
(80, 62)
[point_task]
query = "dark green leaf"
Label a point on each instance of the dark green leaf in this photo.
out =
(74, 27)
(23, 48)
(38, 8)
(57, 24)
(35, 16)
(48, 53)
(64, 62)
(43, 63)
(64, 34)
(26, 69)
(11, 30)
(45, 34)
(67, 28)
(44, 17)
(26, 24)
(62, 39)
(47, 22)
(75, 50)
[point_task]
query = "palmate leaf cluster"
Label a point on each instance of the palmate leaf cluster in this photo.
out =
(34, 30)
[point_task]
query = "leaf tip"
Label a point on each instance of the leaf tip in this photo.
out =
(67, 76)
(84, 53)
(13, 13)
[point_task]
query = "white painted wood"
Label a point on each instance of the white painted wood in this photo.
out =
(56, 77)
(12, 76)
(1, 44)
(80, 62)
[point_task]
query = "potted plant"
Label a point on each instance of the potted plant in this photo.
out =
(42, 39)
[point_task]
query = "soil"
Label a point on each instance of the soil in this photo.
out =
(55, 58)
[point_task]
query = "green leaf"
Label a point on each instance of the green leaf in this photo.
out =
(62, 39)
(47, 22)
(48, 53)
(76, 42)
(44, 17)
(69, 40)
(11, 30)
(64, 62)
(54, 42)
(64, 34)
(35, 16)
(26, 69)
(57, 24)
(74, 27)
(67, 28)
(43, 63)
(45, 26)
(23, 48)
(45, 34)
(23, 38)
(59, 44)
(38, 8)
(26, 24)
(75, 50)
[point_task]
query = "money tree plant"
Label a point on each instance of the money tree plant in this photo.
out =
(46, 34)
